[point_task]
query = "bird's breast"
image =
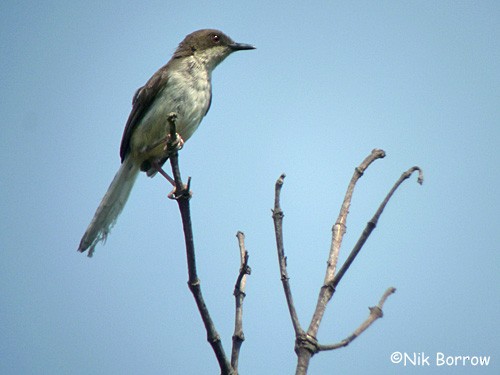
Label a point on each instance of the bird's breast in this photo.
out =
(187, 93)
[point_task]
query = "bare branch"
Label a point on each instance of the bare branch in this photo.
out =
(239, 295)
(182, 195)
(306, 344)
(373, 223)
(375, 313)
(338, 232)
(278, 229)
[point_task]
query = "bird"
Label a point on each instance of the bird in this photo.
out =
(182, 87)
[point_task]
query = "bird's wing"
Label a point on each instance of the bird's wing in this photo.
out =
(142, 100)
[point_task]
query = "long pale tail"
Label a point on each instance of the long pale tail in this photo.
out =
(111, 206)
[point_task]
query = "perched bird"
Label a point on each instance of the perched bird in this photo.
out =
(183, 86)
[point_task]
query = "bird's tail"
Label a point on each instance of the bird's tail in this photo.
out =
(111, 206)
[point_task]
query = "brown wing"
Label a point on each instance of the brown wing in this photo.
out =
(142, 100)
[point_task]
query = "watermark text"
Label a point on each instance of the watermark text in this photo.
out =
(439, 359)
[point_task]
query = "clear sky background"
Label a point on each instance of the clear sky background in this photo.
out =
(329, 82)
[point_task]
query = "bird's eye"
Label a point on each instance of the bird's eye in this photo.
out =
(215, 38)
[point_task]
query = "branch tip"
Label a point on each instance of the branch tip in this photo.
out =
(379, 153)
(386, 295)
(281, 179)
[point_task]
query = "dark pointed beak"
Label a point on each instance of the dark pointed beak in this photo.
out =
(240, 46)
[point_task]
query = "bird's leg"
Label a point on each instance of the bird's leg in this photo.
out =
(163, 173)
(173, 193)
(176, 143)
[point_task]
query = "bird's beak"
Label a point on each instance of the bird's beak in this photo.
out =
(240, 46)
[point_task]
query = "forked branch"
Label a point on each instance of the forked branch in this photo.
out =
(370, 226)
(306, 344)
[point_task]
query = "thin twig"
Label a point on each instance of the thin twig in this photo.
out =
(239, 295)
(338, 232)
(373, 223)
(278, 230)
(182, 196)
(375, 313)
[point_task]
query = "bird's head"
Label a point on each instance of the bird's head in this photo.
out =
(211, 46)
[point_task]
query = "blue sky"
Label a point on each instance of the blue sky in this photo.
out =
(329, 82)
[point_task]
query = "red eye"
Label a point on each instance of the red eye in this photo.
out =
(215, 38)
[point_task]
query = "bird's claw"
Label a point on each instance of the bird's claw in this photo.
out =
(177, 143)
(185, 191)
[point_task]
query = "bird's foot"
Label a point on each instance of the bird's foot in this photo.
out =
(173, 144)
(184, 193)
